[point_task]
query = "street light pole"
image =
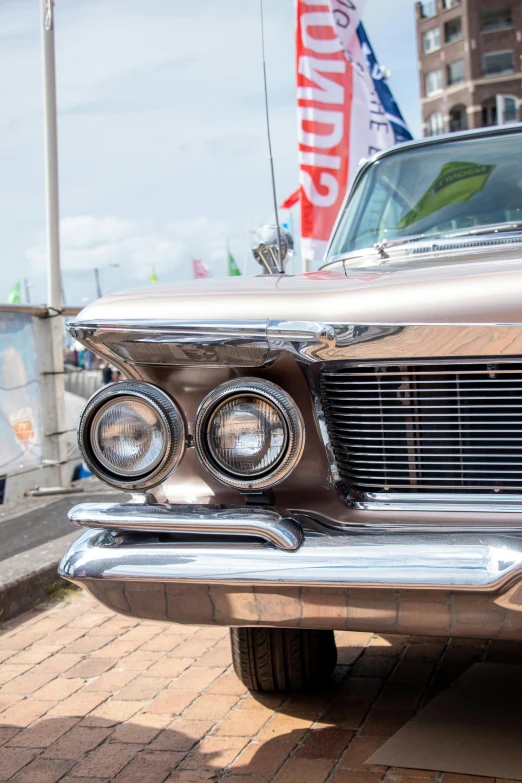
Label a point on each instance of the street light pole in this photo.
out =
(51, 358)
(97, 278)
(98, 284)
(51, 158)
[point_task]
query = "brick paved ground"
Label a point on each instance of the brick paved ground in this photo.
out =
(89, 695)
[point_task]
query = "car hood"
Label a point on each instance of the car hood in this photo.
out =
(473, 290)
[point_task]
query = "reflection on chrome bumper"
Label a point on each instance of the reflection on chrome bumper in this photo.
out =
(264, 523)
(360, 559)
(422, 583)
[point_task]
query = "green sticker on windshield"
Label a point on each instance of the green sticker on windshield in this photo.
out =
(456, 182)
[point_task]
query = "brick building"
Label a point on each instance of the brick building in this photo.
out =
(469, 63)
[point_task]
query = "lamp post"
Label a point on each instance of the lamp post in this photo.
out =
(96, 271)
(97, 279)
(27, 289)
(51, 355)
(54, 299)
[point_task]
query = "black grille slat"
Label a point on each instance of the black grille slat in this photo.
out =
(426, 427)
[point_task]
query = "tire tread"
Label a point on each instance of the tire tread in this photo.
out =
(283, 659)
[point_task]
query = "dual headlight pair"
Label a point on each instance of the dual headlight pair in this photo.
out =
(248, 433)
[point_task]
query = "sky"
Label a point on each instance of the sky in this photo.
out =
(161, 131)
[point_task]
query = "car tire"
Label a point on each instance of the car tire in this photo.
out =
(283, 659)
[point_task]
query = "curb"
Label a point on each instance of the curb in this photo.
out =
(28, 576)
(23, 583)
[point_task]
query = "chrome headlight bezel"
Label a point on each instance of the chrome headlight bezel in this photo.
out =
(285, 406)
(171, 420)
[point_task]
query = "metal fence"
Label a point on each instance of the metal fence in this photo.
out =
(37, 422)
(83, 383)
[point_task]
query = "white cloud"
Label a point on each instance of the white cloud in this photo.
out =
(135, 246)
(88, 232)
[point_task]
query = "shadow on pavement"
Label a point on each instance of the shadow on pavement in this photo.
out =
(373, 692)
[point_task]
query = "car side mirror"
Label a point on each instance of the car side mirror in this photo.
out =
(265, 250)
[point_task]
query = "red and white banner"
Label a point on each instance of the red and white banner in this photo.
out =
(200, 269)
(340, 116)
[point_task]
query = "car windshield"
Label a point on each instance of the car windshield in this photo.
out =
(439, 188)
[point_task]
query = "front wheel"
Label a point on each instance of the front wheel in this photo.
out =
(283, 659)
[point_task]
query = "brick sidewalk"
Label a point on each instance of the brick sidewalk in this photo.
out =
(93, 696)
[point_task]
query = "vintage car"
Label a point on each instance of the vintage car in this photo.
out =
(335, 450)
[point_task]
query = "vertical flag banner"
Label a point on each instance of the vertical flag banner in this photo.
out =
(201, 270)
(389, 104)
(14, 294)
(345, 111)
(153, 277)
(233, 269)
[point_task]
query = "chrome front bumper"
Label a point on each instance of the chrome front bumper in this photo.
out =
(263, 523)
(430, 583)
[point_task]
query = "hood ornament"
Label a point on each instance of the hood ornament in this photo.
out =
(264, 249)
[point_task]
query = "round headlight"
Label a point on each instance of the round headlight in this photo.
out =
(249, 433)
(128, 436)
(131, 435)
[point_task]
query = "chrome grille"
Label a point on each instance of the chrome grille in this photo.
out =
(429, 427)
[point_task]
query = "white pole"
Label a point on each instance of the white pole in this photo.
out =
(51, 158)
(53, 392)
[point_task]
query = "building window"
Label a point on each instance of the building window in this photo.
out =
(451, 4)
(497, 63)
(500, 110)
(458, 119)
(453, 30)
(428, 8)
(433, 82)
(435, 124)
(489, 112)
(508, 109)
(456, 72)
(431, 40)
(495, 19)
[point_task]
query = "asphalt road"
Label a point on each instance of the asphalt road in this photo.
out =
(40, 525)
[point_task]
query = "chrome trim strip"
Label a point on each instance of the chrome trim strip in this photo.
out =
(257, 343)
(303, 339)
(430, 527)
(423, 341)
(268, 524)
(402, 501)
(177, 343)
(206, 330)
(320, 419)
(417, 561)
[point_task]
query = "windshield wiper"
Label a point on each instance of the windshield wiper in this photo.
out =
(378, 246)
(385, 244)
(488, 228)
